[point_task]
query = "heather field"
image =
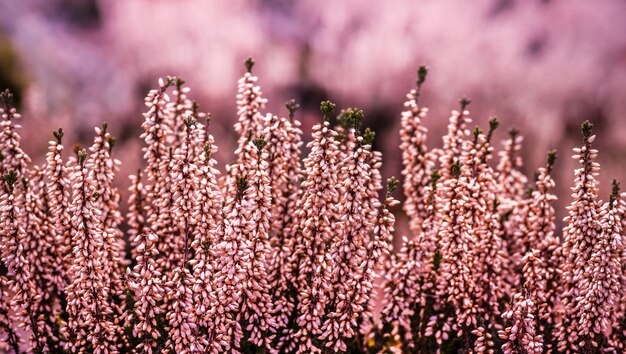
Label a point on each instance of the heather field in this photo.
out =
(397, 177)
(285, 253)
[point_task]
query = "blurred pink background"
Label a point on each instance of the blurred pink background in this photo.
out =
(540, 66)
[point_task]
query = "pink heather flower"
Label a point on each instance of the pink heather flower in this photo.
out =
(520, 336)
(185, 185)
(106, 199)
(181, 318)
(145, 282)
(537, 233)
(454, 140)
(284, 143)
(511, 184)
(179, 109)
(136, 216)
(250, 102)
(9, 339)
(581, 234)
(618, 335)
(208, 216)
(378, 254)
(410, 280)
(91, 323)
(484, 343)
(314, 211)
(58, 193)
(456, 283)
(357, 213)
(599, 292)
(13, 157)
(510, 179)
(417, 160)
(14, 254)
(403, 290)
(46, 263)
(250, 123)
(233, 253)
(349, 250)
(243, 305)
(489, 263)
(157, 180)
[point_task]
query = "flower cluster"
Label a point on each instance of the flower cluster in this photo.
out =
(284, 254)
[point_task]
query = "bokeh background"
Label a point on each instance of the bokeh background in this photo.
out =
(540, 66)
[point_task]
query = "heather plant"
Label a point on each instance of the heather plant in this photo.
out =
(285, 253)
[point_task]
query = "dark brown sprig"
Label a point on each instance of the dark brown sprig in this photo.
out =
(9, 179)
(586, 130)
(615, 188)
(58, 135)
(7, 99)
(292, 107)
(493, 125)
(550, 160)
(249, 63)
(464, 102)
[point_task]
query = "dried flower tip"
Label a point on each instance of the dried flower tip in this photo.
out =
(614, 192)
(260, 143)
(242, 185)
(10, 179)
(169, 81)
(392, 184)
(438, 256)
(207, 151)
(58, 135)
(104, 128)
(421, 75)
(112, 141)
(368, 136)
(327, 109)
(496, 204)
(82, 155)
(456, 169)
(477, 132)
(76, 148)
(249, 64)
(292, 107)
(178, 82)
(493, 125)
(434, 178)
(464, 101)
(530, 190)
(194, 108)
(551, 159)
(586, 130)
(7, 99)
(189, 121)
(351, 118)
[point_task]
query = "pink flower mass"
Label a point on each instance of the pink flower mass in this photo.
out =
(290, 248)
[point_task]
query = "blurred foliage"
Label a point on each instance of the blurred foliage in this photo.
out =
(12, 75)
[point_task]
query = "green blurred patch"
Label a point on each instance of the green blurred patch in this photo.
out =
(12, 75)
